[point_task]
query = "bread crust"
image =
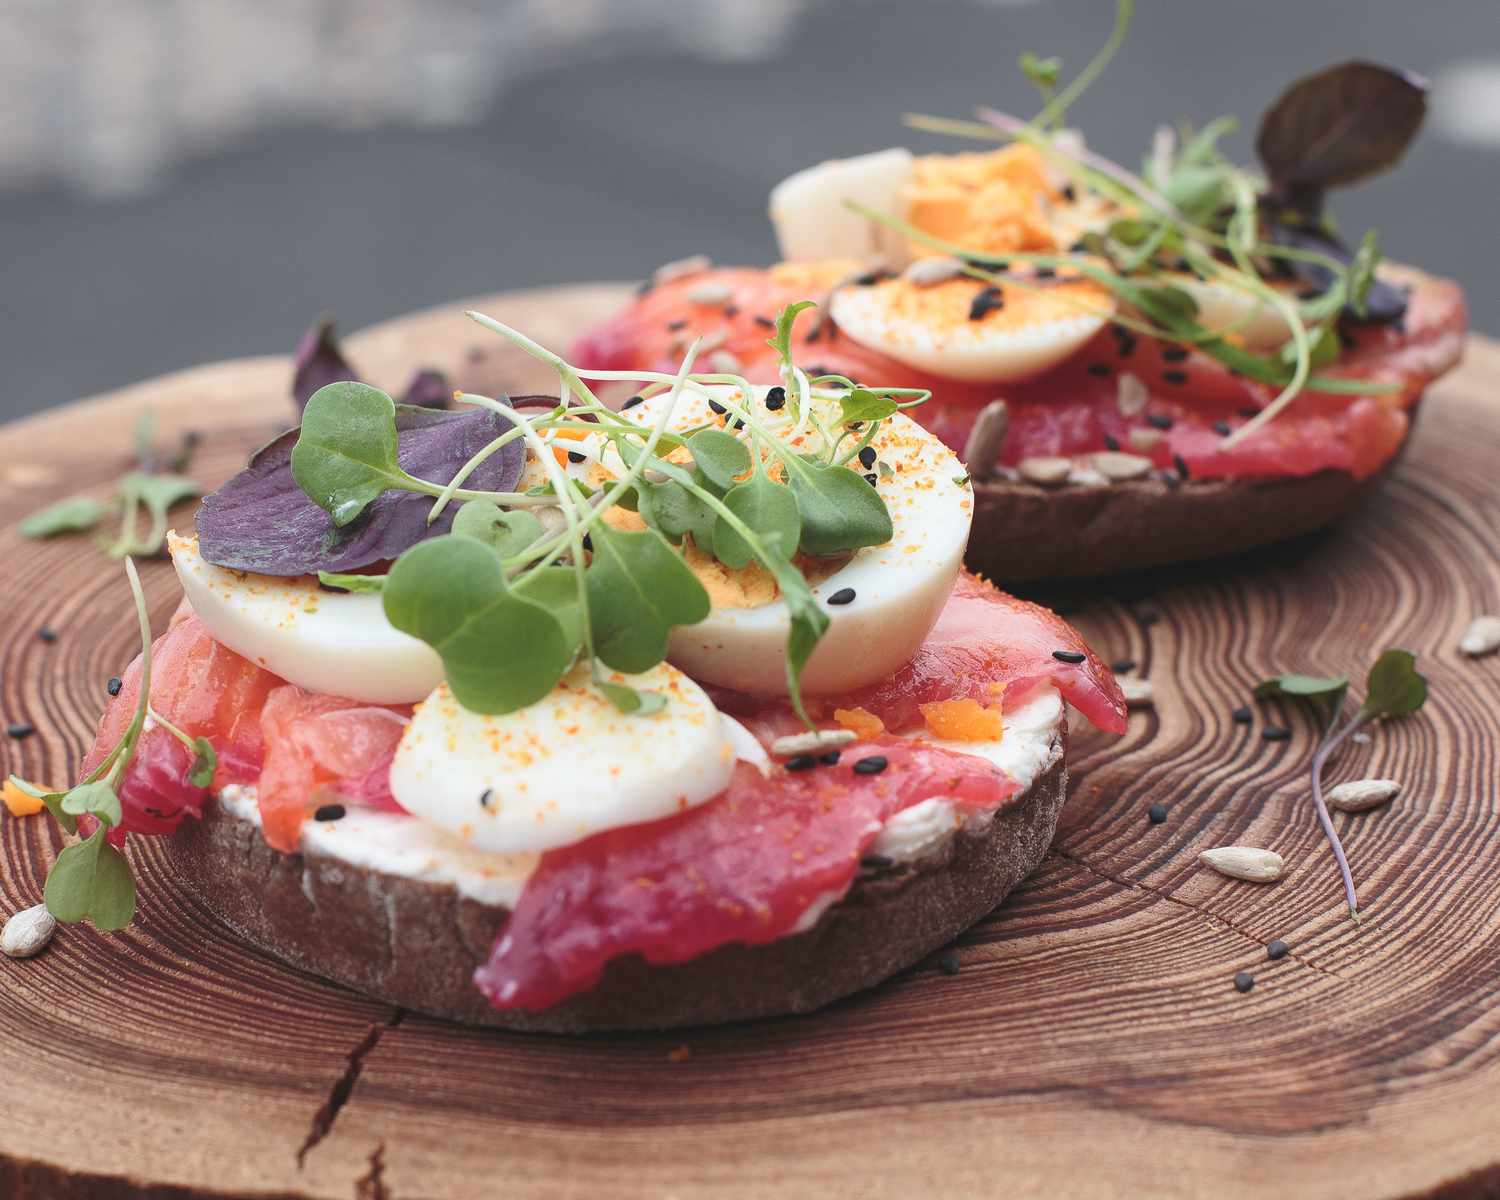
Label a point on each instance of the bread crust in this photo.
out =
(1024, 533)
(416, 944)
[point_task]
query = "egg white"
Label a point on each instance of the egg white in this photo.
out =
(564, 768)
(899, 587)
(813, 222)
(325, 641)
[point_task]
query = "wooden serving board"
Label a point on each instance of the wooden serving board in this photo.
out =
(1092, 1044)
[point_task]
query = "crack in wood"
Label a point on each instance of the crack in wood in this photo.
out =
(1189, 905)
(371, 1185)
(343, 1086)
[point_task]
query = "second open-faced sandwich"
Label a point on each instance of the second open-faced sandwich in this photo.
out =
(1138, 369)
(554, 717)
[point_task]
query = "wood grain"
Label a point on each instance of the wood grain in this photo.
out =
(1092, 1045)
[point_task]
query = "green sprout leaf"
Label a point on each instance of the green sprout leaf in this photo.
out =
(66, 516)
(501, 651)
(1044, 72)
(864, 405)
(769, 509)
(721, 457)
(53, 801)
(345, 456)
(1361, 273)
(556, 590)
(91, 881)
(1326, 691)
(782, 342)
(96, 799)
(506, 533)
(1394, 687)
(205, 763)
(371, 584)
(156, 494)
(673, 510)
(840, 510)
(638, 589)
(628, 700)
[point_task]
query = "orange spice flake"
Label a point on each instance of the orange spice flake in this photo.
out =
(17, 802)
(963, 721)
(860, 721)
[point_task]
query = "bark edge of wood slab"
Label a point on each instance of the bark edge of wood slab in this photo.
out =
(416, 944)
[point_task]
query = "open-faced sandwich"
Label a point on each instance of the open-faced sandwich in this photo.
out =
(1137, 368)
(544, 715)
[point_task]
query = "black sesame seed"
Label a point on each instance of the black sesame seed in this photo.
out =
(1221, 428)
(872, 765)
(1172, 479)
(575, 457)
(717, 408)
(830, 758)
(762, 319)
(731, 311)
(1122, 665)
(1157, 813)
(867, 457)
(800, 762)
(20, 729)
(1242, 715)
(817, 369)
(1070, 193)
(1046, 273)
(985, 301)
(776, 398)
(1099, 369)
(330, 812)
(1126, 346)
(1081, 247)
(872, 478)
(1309, 293)
(588, 543)
(842, 596)
(1276, 733)
(948, 962)
(1174, 353)
(1069, 656)
(1181, 464)
(1111, 443)
(1158, 420)
(47, 635)
(876, 862)
(1248, 413)
(1175, 376)
(677, 324)
(869, 278)
(486, 798)
(1277, 949)
(632, 402)
(1244, 981)
(114, 685)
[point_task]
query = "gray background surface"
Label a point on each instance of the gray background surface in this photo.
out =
(628, 151)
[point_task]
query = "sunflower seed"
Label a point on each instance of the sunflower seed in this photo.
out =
(710, 291)
(694, 264)
(1137, 692)
(812, 742)
(1244, 862)
(1131, 395)
(28, 932)
(724, 363)
(1083, 475)
(1049, 472)
(1360, 795)
(1144, 439)
(982, 450)
(927, 272)
(1119, 466)
(1481, 638)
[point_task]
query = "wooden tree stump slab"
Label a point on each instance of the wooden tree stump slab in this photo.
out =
(1092, 1045)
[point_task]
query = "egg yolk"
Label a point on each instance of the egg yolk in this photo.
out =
(994, 202)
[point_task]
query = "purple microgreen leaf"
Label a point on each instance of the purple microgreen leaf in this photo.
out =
(1338, 126)
(317, 362)
(262, 521)
(428, 389)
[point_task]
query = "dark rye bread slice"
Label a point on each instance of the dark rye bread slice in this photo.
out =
(417, 944)
(1024, 533)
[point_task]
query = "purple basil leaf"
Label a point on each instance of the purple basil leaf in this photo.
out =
(318, 361)
(1385, 303)
(1340, 125)
(262, 521)
(428, 389)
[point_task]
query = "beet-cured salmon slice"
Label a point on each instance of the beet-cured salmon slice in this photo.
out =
(310, 745)
(748, 867)
(1073, 408)
(986, 646)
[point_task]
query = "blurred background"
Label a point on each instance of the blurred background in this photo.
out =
(188, 180)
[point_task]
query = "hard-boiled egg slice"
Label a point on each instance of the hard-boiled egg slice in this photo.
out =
(939, 327)
(888, 596)
(567, 767)
(812, 220)
(1222, 307)
(325, 641)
